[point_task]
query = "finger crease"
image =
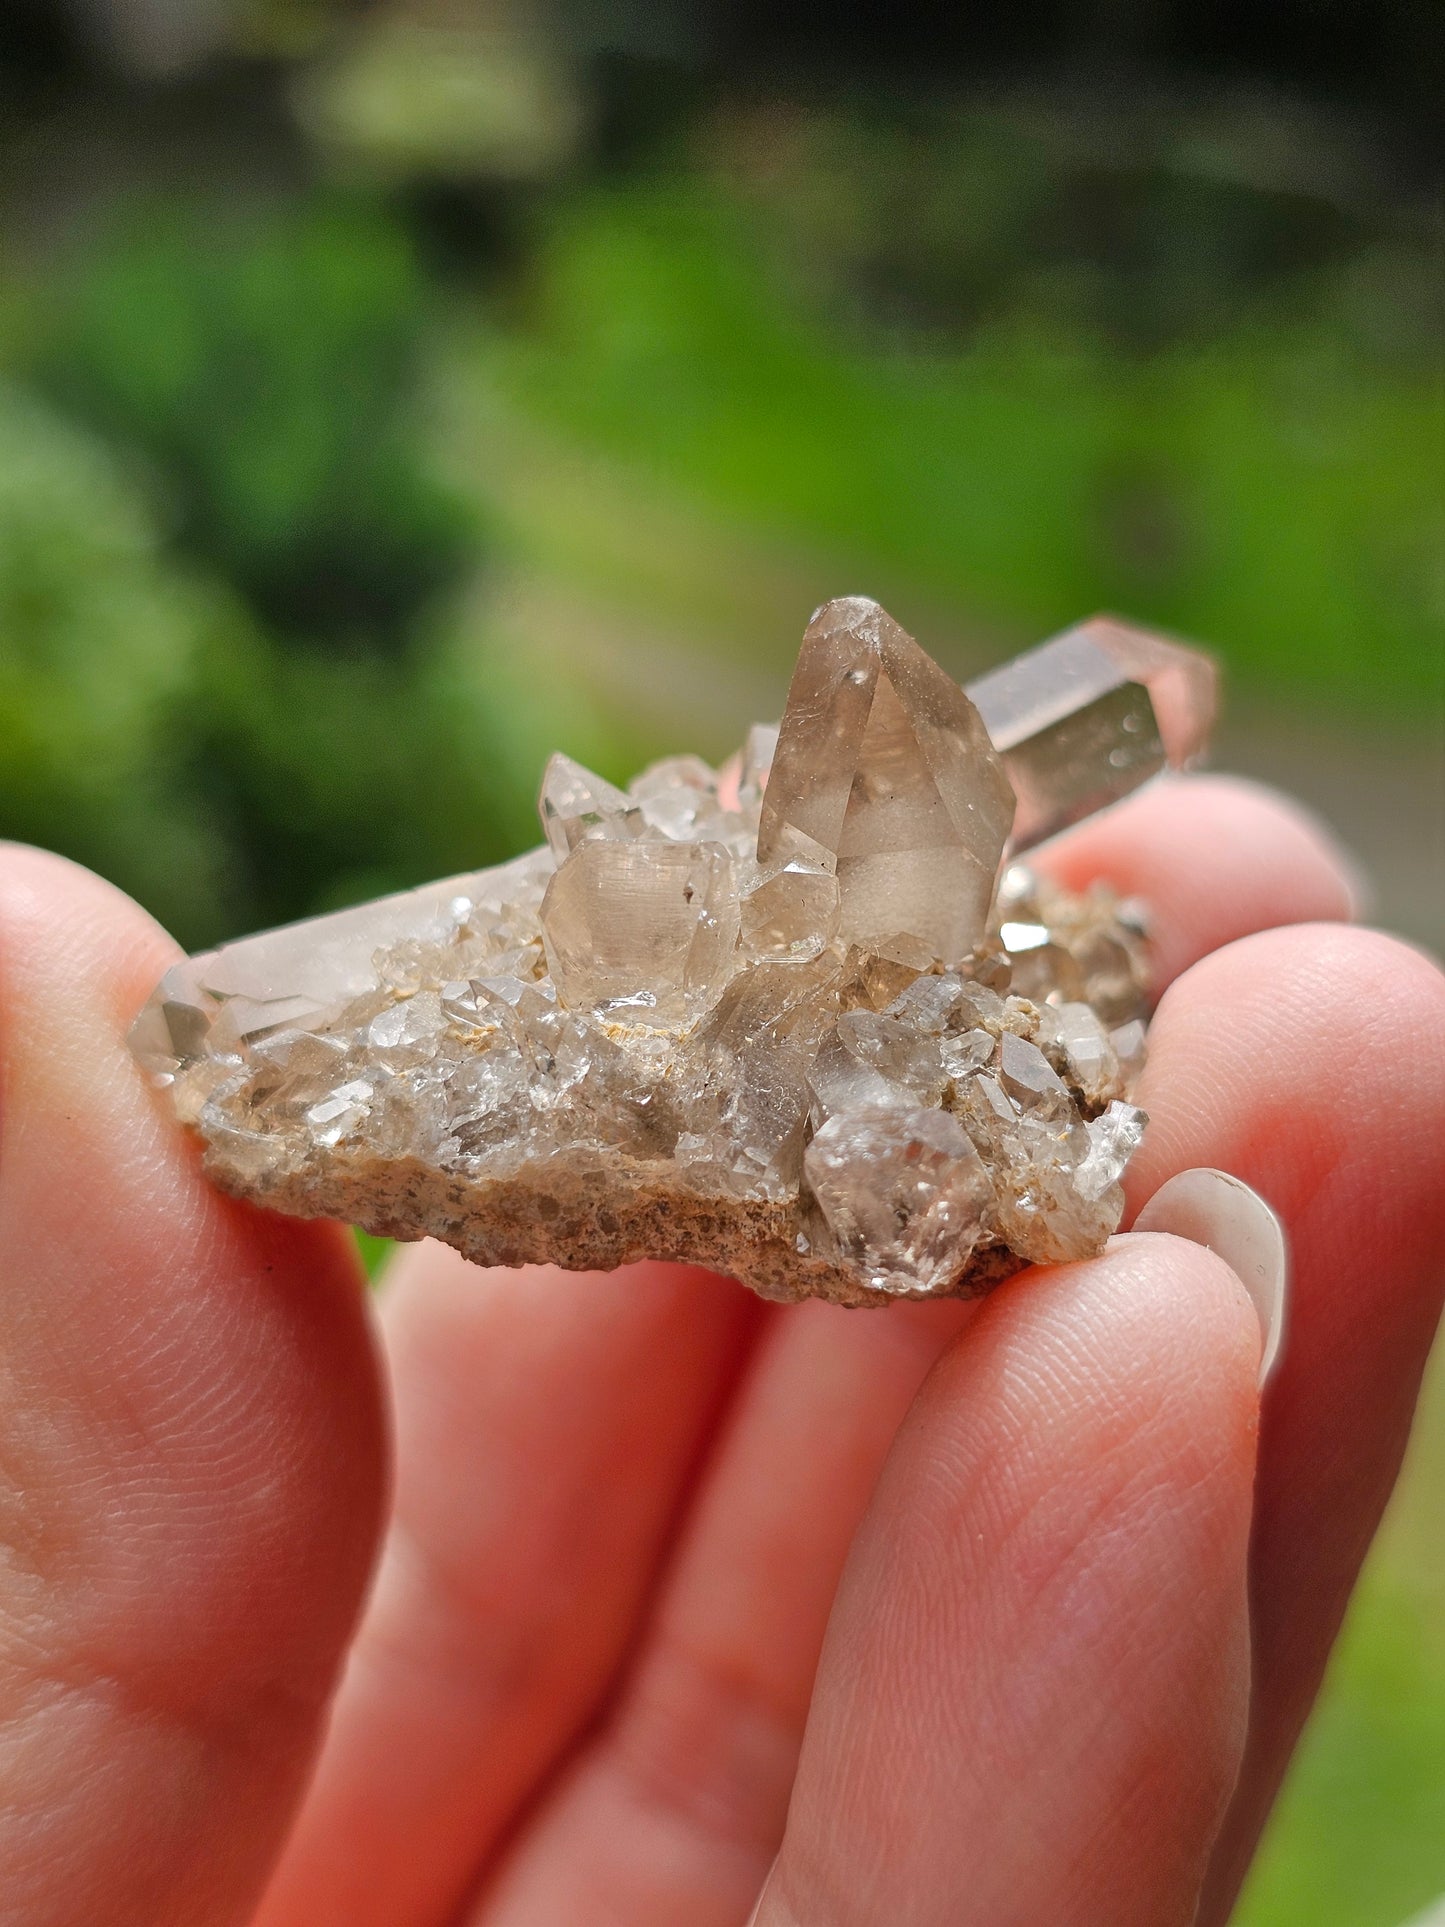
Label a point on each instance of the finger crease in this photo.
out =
(706, 1745)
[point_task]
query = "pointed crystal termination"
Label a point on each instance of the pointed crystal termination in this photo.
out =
(1082, 720)
(575, 806)
(884, 766)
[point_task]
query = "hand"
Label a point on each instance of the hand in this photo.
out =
(1012, 1612)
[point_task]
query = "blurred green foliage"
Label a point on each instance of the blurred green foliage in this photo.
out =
(1359, 1837)
(1274, 489)
(1139, 220)
(102, 637)
(374, 1252)
(234, 575)
(266, 365)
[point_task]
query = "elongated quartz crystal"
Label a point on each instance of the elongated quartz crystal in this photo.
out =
(298, 977)
(883, 765)
(1082, 720)
(792, 1025)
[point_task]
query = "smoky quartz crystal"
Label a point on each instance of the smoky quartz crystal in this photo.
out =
(809, 1020)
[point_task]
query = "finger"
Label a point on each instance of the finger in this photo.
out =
(547, 1426)
(1213, 858)
(191, 1456)
(673, 1812)
(1311, 1063)
(1032, 1696)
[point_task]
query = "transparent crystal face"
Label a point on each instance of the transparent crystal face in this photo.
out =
(800, 1010)
(642, 931)
(576, 806)
(793, 911)
(1086, 718)
(883, 765)
(903, 1192)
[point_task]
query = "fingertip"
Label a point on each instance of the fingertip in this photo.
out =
(1190, 1311)
(1333, 884)
(100, 1187)
(194, 1426)
(78, 958)
(116, 949)
(1377, 969)
(1104, 1413)
(1045, 1612)
(1285, 1054)
(1310, 1062)
(1156, 1325)
(1235, 812)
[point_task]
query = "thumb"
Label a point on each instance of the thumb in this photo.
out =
(190, 1457)
(1032, 1699)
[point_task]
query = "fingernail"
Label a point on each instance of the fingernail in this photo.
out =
(1212, 1208)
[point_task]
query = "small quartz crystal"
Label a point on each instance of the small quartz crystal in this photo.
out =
(644, 932)
(1080, 1049)
(789, 1022)
(576, 805)
(790, 911)
(903, 1192)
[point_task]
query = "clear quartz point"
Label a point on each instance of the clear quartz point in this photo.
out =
(883, 764)
(678, 798)
(796, 1028)
(303, 973)
(175, 1025)
(1079, 1047)
(1086, 718)
(1027, 1076)
(575, 805)
(1129, 1044)
(1113, 1140)
(753, 1053)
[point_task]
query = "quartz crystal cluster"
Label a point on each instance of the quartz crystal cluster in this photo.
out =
(809, 1020)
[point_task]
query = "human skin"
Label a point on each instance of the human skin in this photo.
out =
(965, 1614)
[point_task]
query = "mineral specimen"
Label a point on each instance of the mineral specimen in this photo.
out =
(794, 1026)
(1084, 719)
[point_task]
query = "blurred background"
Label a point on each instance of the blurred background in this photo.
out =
(392, 393)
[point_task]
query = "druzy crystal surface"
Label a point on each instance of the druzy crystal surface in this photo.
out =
(795, 1021)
